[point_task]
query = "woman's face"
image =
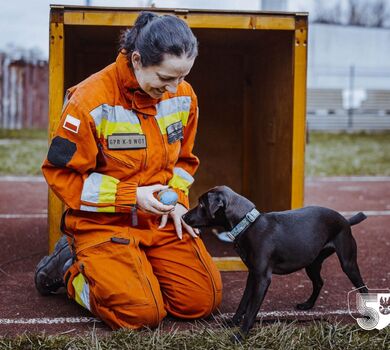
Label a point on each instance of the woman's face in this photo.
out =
(155, 80)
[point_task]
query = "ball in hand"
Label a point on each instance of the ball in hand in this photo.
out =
(167, 197)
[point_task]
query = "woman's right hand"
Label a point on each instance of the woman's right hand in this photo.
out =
(148, 203)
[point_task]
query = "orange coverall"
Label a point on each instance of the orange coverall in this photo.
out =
(112, 138)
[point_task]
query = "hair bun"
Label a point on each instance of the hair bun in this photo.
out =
(153, 36)
(144, 18)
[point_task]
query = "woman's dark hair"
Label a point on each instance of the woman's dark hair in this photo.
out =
(153, 36)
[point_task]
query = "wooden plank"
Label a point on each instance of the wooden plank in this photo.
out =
(56, 93)
(233, 21)
(239, 21)
(229, 264)
(272, 111)
(109, 18)
(299, 110)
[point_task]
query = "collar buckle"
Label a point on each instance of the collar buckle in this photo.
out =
(232, 237)
(251, 217)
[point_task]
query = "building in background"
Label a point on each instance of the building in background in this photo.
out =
(348, 77)
(348, 65)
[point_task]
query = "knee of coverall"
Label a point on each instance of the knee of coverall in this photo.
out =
(198, 303)
(122, 315)
(119, 315)
(131, 317)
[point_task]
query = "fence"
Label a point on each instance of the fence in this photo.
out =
(349, 98)
(328, 110)
(23, 93)
(24, 100)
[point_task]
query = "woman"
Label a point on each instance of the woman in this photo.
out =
(126, 133)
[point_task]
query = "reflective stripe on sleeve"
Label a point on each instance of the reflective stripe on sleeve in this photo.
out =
(181, 179)
(99, 189)
(110, 209)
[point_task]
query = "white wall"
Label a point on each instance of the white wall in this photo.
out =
(334, 49)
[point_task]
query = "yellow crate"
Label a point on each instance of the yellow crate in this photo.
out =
(250, 78)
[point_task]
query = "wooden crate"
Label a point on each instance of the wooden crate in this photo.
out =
(250, 78)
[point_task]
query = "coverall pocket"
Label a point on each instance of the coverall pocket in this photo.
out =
(129, 157)
(113, 272)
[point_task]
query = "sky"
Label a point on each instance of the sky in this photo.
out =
(25, 23)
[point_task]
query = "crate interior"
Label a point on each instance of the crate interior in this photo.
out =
(244, 82)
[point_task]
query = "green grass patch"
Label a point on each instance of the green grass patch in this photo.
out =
(22, 151)
(24, 134)
(278, 335)
(327, 154)
(344, 154)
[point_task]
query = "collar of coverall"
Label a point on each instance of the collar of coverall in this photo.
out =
(248, 219)
(140, 100)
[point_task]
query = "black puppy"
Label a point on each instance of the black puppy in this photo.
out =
(278, 242)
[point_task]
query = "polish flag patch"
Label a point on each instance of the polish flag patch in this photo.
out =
(71, 124)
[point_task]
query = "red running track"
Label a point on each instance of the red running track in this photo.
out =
(23, 234)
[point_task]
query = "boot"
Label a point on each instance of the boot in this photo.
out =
(51, 269)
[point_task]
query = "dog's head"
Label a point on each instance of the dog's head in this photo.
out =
(213, 209)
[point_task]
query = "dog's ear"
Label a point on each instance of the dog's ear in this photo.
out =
(215, 202)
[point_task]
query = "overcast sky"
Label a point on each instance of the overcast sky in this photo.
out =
(25, 23)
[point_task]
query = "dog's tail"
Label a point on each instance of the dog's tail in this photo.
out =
(359, 217)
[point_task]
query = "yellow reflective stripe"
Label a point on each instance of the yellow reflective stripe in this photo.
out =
(107, 190)
(99, 189)
(167, 120)
(107, 127)
(180, 183)
(109, 119)
(106, 209)
(81, 288)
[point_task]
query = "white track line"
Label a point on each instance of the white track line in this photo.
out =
(367, 212)
(293, 313)
(23, 216)
(48, 320)
(348, 179)
(22, 179)
(275, 314)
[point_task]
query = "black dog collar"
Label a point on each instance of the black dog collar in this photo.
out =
(248, 219)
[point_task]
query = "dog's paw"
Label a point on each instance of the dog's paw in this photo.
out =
(304, 306)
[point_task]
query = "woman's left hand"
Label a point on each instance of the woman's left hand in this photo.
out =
(179, 223)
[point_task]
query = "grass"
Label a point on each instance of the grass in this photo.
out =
(22, 151)
(327, 154)
(343, 154)
(278, 335)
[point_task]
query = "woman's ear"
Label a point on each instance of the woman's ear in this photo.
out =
(136, 60)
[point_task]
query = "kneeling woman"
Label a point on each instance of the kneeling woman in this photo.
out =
(126, 133)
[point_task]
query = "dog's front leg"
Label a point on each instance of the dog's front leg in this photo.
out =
(261, 282)
(244, 301)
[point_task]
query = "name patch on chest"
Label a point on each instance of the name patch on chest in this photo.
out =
(175, 132)
(126, 141)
